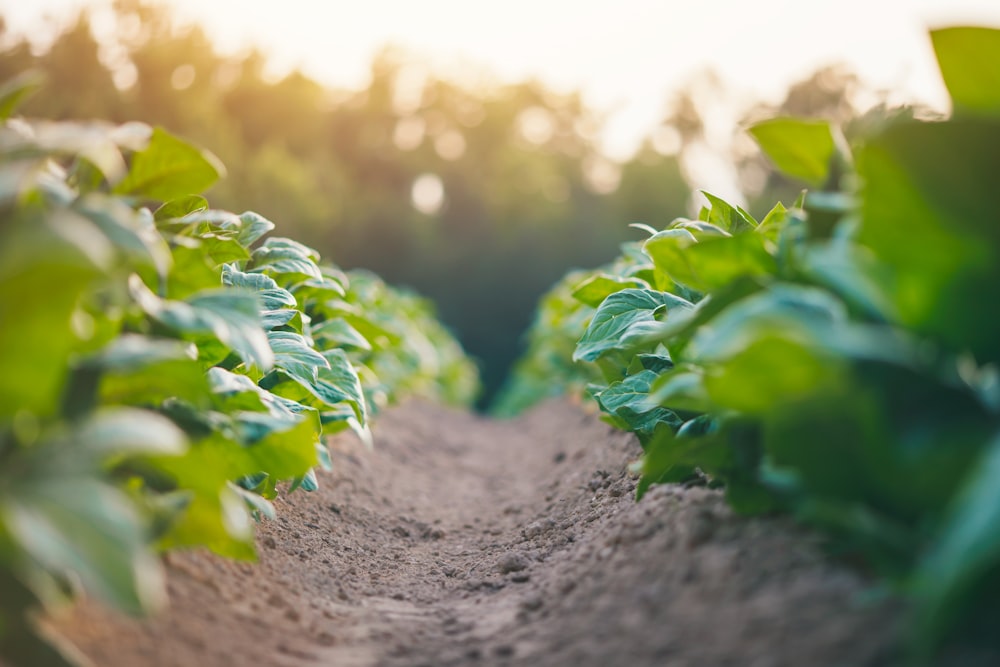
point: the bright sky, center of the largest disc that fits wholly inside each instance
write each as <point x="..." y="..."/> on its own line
<point x="626" y="55"/>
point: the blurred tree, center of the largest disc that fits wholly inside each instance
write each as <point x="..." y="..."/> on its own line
<point x="480" y="200"/>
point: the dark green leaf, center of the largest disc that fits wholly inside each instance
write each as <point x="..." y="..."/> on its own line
<point x="629" y="400"/>
<point x="965" y="552"/>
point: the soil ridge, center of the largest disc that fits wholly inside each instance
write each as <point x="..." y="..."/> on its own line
<point x="462" y="541"/>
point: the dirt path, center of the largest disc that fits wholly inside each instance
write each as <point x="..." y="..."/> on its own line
<point x="462" y="541"/>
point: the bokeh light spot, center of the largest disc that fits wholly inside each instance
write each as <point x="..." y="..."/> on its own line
<point x="536" y="125"/>
<point x="427" y="194"/>
<point x="450" y="145"/>
<point x="183" y="77"/>
<point x="409" y="133"/>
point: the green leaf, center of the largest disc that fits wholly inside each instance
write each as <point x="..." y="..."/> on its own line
<point x="969" y="58"/>
<point x="193" y="269"/>
<point x="676" y="332"/>
<point x="800" y="148"/>
<point x="285" y="317"/>
<point x="789" y="311"/>
<point x="294" y="355"/>
<point x="230" y="316"/>
<point x="272" y="297"/>
<point x="629" y="400"/>
<point x="929" y="215"/>
<point x="281" y="246"/>
<point x="337" y="332"/>
<point x="133" y="237"/>
<point x="307" y="482"/>
<point x="139" y="371"/>
<point x="965" y="552"/>
<point x="180" y="207"/>
<point x="14" y="91"/>
<point x="278" y="256"/>
<point x="680" y="389"/>
<point x="671" y="457"/>
<point x="254" y="227"/>
<point x="318" y="290"/>
<point x="731" y="218"/>
<point x="127" y="431"/>
<point x="257" y="503"/>
<point x="711" y="262"/>
<point x="77" y="526"/>
<point x="337" y="384"/>
<point x="852" y="271"/>
<point x="169" y="168"/>
<point x="217" y="516"/>
<point x="46" y="267"/>
<point x="624" y="318"/>
<point x="597" y="288"/>
<point x="238" y="395"/>
<point x="344" y="377"/>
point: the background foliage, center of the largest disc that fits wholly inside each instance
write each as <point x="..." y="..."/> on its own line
<point x="527" y="195"/>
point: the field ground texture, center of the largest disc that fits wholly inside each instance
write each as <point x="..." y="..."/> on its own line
<point x="464" y="541"/>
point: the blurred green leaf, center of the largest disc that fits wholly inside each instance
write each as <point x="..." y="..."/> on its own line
<point x="46" y="266"/>
<point x="14" y="91"/>
<point x="134" y="238"/>
<point x="965" y="552"/>
<point x="597" y="288"/>
<point x="800" y="148"/>
<point x="927" y="214"/>
<point x="169" y="168"/>
<point x="180" y="207"/>
<point x="77" y="525"/>
<point x="127" y="431"/>
<point x="969" y="58"/>
<point x="337" y="332"/>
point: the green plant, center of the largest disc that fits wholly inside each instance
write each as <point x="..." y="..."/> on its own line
<point x="838" y="358"/>
<point x="164" y="367"/>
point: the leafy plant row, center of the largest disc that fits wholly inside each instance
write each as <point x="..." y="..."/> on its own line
<point x="836" y="359"/>
<point x="163" y="367"/>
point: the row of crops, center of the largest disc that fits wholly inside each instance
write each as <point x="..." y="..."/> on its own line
<point x="836" y="359"/>
<point x="165" y="367"/>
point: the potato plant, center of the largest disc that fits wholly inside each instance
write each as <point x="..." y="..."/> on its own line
<point x="166" y="366"/>
<point x="836" y="359"/>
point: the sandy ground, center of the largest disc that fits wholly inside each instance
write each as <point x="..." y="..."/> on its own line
<point x="465" y="541"/>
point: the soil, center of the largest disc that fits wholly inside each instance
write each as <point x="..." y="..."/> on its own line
<point x="461" y="541"/>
